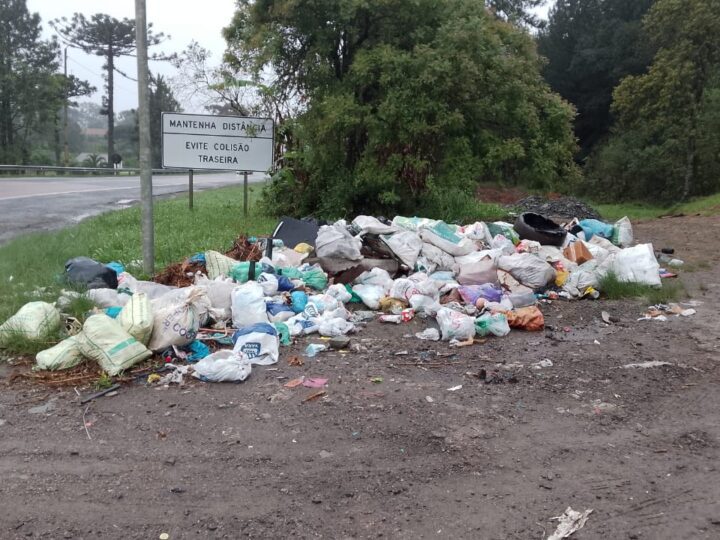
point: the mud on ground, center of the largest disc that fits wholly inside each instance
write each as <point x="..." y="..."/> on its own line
<point x="405" y="457"/>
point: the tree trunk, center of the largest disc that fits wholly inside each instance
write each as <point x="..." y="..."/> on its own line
<point x="691" y="162"/>
<point x="56" y="128"/>
<point x="110" y="108"/>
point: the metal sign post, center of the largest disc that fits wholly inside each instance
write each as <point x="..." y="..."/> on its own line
<point x="148" y="226"/>
<point x="190" y="188"/>
<point x="245" y="193"/>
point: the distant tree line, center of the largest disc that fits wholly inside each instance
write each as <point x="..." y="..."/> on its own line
<point x="645" y="79"/>
<point x="33" y="91"/>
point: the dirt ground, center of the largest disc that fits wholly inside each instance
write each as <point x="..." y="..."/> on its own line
<point x="405" y="457"/>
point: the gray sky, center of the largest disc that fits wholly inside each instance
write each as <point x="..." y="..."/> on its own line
<point x="181" y="19"/>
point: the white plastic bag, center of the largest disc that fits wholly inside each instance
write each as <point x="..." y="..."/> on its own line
<point x="218" y="290"/>
<point x="259" y="343"/>
<point x="503" y="244"/>
<point x="369" y="224"/>
<point x="623" y="234"/>
<point x="248" y="305"/>
<point x="176" y="324"/>
<point x="136" y="318"/>
<point x="335" y="327"/>
<point x="478" y="273"/>
<point x="222" y="366"/>
<point x="269" y="283"/>
<point x="105" y="298"/>
<point x="152" y="289"/>
<point x="336" y="241"/>
<point x="34" y="321"/>
<point x="339" y="292"/>
<point x="580" y="278"/>
<point x="370" y="294"/>
<point x="478" y="232"/>
<point x="406" y="245"/>
<point x="455" y="325"/>
<point x="104" y="341"/>
<point x="64" y="355"/>
<point x="413" y="223"/>
<point x="376" y="276"/>
<point x="638" y="265"/>
<point x="433" y="259"/>
<point x="530" y="270"/>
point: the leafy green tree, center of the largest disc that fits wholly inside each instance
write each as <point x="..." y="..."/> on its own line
<point x="162" y="100"/>
<point x="403" y="104"/>
<point x="590" y="46"/>
<point x="668" y="113"/>
<point x="29" y="89"/>
<point x="110" y="38"/>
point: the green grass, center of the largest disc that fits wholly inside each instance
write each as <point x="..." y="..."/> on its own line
<point x="31" y="266"/>
<point x="706" y="206"/>
<point x="610" y="287"/>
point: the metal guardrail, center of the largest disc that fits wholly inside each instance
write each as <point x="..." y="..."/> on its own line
<point x="106" y="170"/>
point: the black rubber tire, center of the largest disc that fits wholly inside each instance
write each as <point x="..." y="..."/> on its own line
<point x="530" y="226"/>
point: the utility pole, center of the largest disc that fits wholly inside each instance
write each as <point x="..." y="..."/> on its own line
<point x="65" y="115"/>
<point x="146" y="191"/>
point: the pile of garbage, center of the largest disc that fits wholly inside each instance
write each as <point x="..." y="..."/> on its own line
<point x="481" y="279"/>
<point x="561" y="207"/>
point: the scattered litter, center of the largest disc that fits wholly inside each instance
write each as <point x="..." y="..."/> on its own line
<point x="314" y="348"/>
<point x="314" y="382"/>
<point x="429" y="399"/>
<point x="315" y="395"/>
<point x="429" y="334"/>
<point x="101" y="393"/>
<point x="570" y="522"/>
<point x="376" y="380"/>
<point x="646" y="365"/>
<point x="544" y="363"/>
<point x="295" y="361"/>
<point x="455" y="388"/>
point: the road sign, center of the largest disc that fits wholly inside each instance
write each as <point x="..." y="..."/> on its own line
<point x="232" y="143"/>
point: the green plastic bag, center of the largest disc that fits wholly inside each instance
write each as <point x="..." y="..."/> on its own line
<point x="283" y="333"/>
<point x="290" y="272"/>
<point x="315" y="278"/>
<point x="496" y="325"/>
<point x="355" y="299"/>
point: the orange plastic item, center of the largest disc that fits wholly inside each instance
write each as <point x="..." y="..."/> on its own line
<point x="527" y="318"/>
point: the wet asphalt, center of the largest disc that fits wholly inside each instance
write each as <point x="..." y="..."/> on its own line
<point x="33" y="204"/>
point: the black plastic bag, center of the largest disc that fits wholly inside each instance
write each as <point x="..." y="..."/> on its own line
<point x="90" y="273"/>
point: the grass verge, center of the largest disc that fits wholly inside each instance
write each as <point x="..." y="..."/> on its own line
<point x="31" y="266"/>
<point x="705" y="206"/>
<point x="614" y="289"/>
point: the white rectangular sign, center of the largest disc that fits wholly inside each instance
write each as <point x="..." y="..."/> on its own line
<point x="233" y="143"/>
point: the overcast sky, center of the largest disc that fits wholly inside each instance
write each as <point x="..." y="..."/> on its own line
<point x="182" y="20"/>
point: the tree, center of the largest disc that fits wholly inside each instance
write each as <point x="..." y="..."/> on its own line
<point x="106" y="36"/>
<point x="28" y="86"/>
<point x="590" y="46"/>
<point x="666" y="113"/>
<point x="162" y="100"/>
<point x="404" y="105"/>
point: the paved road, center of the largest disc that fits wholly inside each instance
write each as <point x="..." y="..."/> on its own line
<point x="40" y="204"/>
